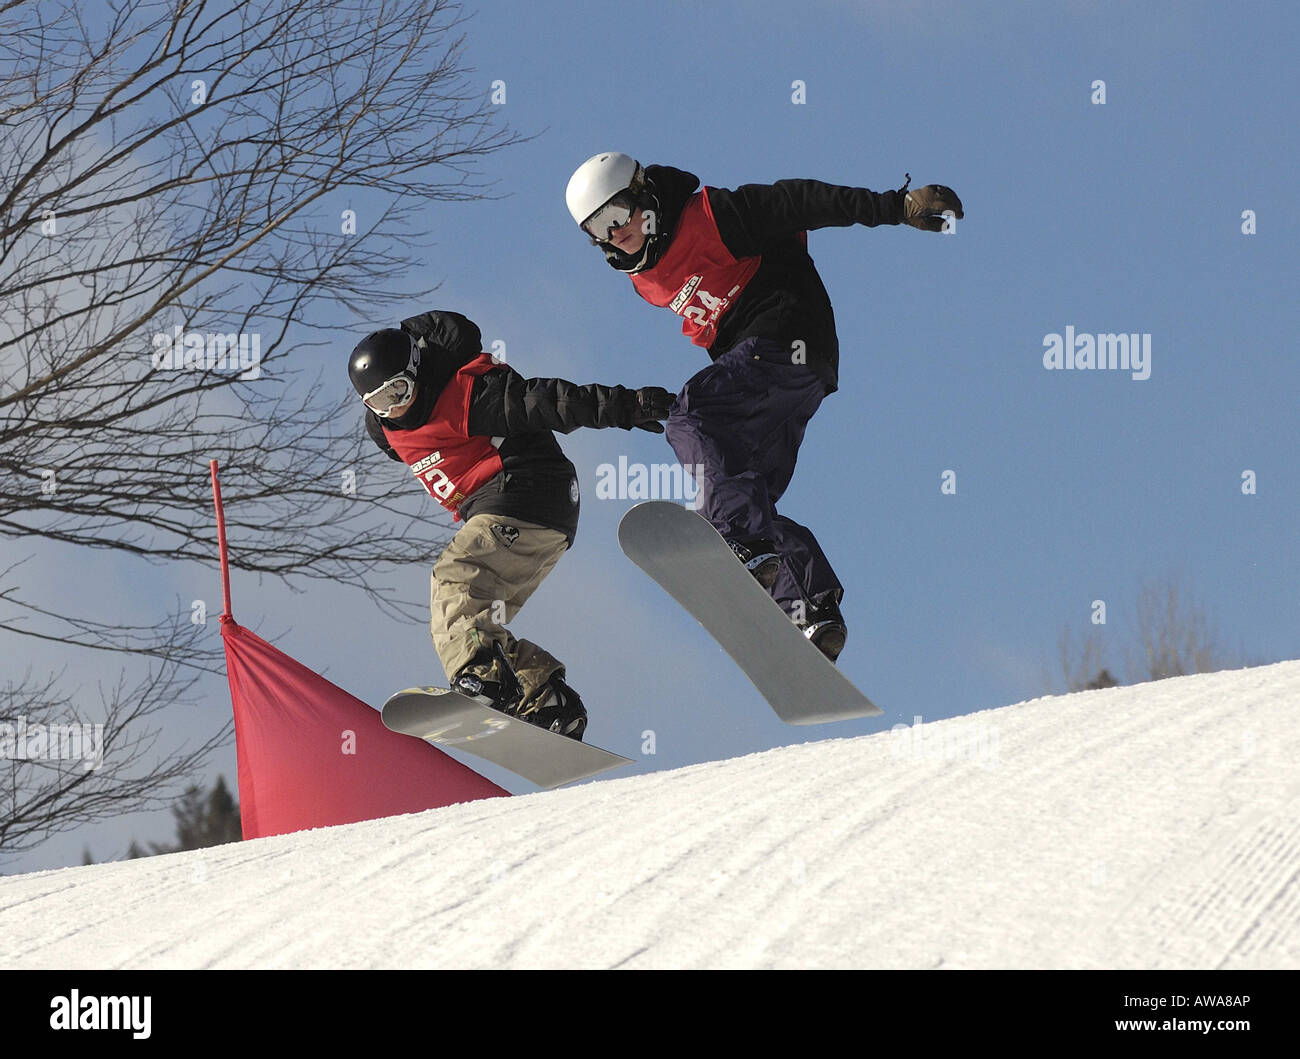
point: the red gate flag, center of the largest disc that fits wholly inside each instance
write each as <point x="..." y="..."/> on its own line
<point x="310" y="754"/>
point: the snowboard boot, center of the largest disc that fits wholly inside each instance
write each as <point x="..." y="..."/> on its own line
<point x="760" y="558"/>
<point x="557" y="708"/>
<point x="824" y="626"/>
<point x="501" y="690"/>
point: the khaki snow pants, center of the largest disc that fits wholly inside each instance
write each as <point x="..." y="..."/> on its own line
<point x="485" y="574"/>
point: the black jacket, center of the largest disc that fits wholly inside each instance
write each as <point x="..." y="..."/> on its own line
<point x="538" y="483"/>
<point x="785" y="300"/>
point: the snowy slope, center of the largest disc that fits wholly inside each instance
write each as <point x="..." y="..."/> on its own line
<point x="1150" y="826"/>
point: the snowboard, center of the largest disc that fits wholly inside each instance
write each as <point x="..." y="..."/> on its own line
<point x="449" y="719"/>
<point x="692" y="563"/>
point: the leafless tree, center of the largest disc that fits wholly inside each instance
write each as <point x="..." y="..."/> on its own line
<point x="192" y="195"/>
<point x="1082" y="665"/>
<point x="1172" y="636"/>
<point x="62" y="767"/>
<point x="1175" y="636"/>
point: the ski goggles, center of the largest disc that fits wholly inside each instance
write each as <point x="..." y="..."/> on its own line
<point x="392" y="394"/>
<point x="612" y="216"/>
<point x="396" y="391"/>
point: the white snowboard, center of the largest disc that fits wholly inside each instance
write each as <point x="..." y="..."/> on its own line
<point x="450" y="719"/>
<point x="693" y="564"/>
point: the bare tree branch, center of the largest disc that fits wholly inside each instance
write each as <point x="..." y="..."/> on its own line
<point x="1172" y="636"/>
<point x="161" y="245"/>
<point x="62" y="767"/>
<point x="194" y="198"/>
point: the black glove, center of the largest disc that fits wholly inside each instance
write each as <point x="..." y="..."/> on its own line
<point x="924" y="208"/>
<point x="650" y="404"/>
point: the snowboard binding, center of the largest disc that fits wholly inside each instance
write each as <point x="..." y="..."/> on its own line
<point x="824" y="627"/>
<point x="502" y="691"/>
<point x="557" y="708"/>
<point x="554" y="706"/>
<point x="760" y="558"/>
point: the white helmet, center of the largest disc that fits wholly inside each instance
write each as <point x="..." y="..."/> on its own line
<point x="598" y="180"/>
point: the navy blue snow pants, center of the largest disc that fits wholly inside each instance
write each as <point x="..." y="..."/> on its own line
<point x="737" y="426"/>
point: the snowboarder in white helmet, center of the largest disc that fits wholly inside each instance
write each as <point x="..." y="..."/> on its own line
<point x="734" y="265"/>
<point x="605" y="194"/>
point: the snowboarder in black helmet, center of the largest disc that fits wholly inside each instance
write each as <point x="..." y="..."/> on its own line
<point x="734" y="266"/>
<point x="480" y="437"/>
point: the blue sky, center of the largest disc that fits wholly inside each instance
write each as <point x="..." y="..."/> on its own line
<point x="1072" y="486"/>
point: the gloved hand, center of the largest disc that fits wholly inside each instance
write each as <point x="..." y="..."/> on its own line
<point x="650" y="405"/>
<point x="924" y="207"/>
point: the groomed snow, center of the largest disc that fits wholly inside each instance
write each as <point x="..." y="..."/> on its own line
<point x="1148" y="826"/>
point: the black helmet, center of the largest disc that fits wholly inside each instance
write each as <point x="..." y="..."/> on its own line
<point x="383" y="369"/>
<point x="380" y="356"/>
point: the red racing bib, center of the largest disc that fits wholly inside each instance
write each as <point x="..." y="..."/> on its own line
<point x="697" y="278"/>
<point x="442" y="454"/>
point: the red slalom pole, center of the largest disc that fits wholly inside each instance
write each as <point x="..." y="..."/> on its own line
<point x="221" y="543"/>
